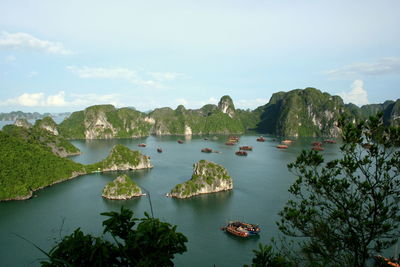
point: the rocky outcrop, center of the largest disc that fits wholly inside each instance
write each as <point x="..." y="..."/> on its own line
<point x="121" y="158"/>
<point x="208" y="177"/>
<point x="226" y="106"/>
<point x="307" y="112"/>
<point x="47" y="124"/>
<point x="22" y="123"/>
<point x="106" y="122"/>
<point x="391" y="114"/>
<point x="122" y="188"/>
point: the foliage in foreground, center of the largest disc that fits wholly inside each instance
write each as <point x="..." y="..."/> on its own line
<point x="347" y="210"/>
<point x="152" y="243"/>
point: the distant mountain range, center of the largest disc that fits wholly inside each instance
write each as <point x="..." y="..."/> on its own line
<point x="14" y="115"/>
<point x="300" y="112"/>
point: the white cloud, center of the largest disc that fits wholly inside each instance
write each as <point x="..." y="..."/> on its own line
<point x="59" y="100"/>
<point x="116" y="74"/>
<point x="384" y="66"/>
<point x="27" y="41"/>
<point x="251" y="103"/>
<point x="10" y="58"/>
<point x="103" y="73"/>
<point x="357" y="95"/>
<point x="33" y="74"/>
<point x="166" y="76"/>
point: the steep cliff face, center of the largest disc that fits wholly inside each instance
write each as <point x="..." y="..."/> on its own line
<point x="209" y="119"/>
<point x="208" y="177"/>
<point x="22" y="123"/>
<point x="226" y="106"/>
<point x="391" y="114"/>
<point x="121" y="158"/>
<point x="105" y="122"/>
<point x="307" y="112"/>
<point x="48" y="124"/>
<point x="122" y="188"/>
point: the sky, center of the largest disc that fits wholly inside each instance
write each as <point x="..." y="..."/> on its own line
<point x="63" y="56"/>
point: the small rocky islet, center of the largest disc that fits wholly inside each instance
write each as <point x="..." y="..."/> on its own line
<point x="207" y="177"/>
<point x="122" y="188"/>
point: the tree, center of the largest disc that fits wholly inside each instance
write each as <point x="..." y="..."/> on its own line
<point x="152" y="243"/>
<point x="347" y="210"/>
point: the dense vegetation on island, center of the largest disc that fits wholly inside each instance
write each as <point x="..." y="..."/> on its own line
<point x="42" y="137"/>
<point x="28" y="166"/>
<point x="208" y="177"/>
<point x="29" y="162"/>
<point x="123" y="187"/>
<point x="121" y="158"/>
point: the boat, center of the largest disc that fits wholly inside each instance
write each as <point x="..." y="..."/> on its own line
<point x="242" y="229"/>
<point x="180" y="141"/>
<point x="282" y="146"/>
<point x="234" y="138"/>
<point x="316" y="143"/>
<point x="287" y="142"/>
<point x="329" y="141"/>
<point x="230" y="143"/>
<point x="206" y="150"/>
<point x="260" y="139"/>
<point x="246" y="148"/>
<point x="142" y="145"/>
<point x="317" y="148"/>
<point x="241" y="153"/>
<point x="159" y="150"/>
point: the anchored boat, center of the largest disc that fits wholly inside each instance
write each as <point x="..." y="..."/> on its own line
<point x="241" y="229"/>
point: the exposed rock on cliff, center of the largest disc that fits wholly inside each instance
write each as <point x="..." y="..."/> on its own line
<point x="121" y="158"/>
<point x="122" y="188"/>
<point x="391" y="114"/>
<point x="48" y="124"/>
<point x="226" y="106"/>
<point x="106" y="122"/>
<point x="22" y="123"/>
<point x="208" y="177"/>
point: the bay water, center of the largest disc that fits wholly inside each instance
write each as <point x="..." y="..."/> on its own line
<point x="261" y="181"/>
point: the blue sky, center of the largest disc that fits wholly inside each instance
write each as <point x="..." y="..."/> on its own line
<point x="66" y="55"/>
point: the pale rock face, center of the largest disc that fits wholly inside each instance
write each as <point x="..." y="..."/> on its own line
<point x="188" y="130"/>
<point x="150" y="120"/>
<point x="202" y="171"/>
<point x="22" y="123"/>
<point x="226" y="106"/>
<point x="48" y="128"/>
<point x="143" y="164"/>
<point x="95" y="130"/>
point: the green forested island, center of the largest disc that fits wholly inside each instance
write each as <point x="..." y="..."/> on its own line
<point x="28" y="162"/>
<point x="300" y="112"/>
<point x="207" y="177"/>
<point x="123" y="187"/>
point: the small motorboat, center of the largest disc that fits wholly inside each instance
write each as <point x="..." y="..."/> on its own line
<point x="282" y="146"/>
<point x="206" y="150"/>
<point x="287" y="142"/>
<point x="249" y="148"/>
<point x="142" y="145"/>
<point x="159" y="150"/>
<point x="316" y="143"/>
<point x="317" y="148"/>
<point x="180" y="141"/>
<point x="260" y="139"/>
<point x="329" y="141"/>
<point x="241" y="153"/>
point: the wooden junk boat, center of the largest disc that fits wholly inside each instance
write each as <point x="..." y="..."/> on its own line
<point x="241" y="153"/>
<point x="142" y="145"/>
<point x="230" y="143"/>
<point x="316" y="143"/>
<point x="246" y="148"/>
<point x="287" y="142"/>
<point x="159" y="150"/>
<point x="242" y="229"/>
<point x="329" y="141"/>
<point x="261" y="139"/>
<point x="206" y="150"/>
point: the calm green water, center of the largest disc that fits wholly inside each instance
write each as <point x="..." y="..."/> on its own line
<point x="261" y="181"/>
